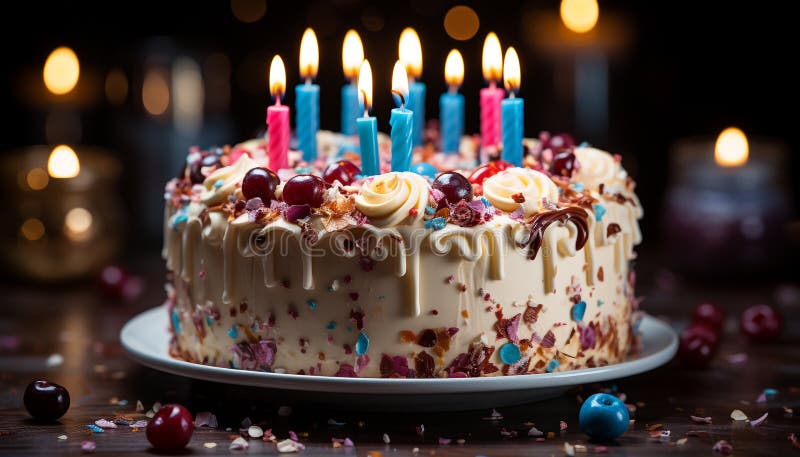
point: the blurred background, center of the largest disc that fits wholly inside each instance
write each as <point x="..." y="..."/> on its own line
<point x="128" y="87"/>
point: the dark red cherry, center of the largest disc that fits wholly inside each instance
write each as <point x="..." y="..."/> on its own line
<point x="761" y="323"/>
<point x="454" y="186"/>
<point x="709" y="314"/>
<point x="171" y="428"/>
<point x="563" y="163"/>
<point x="304" y="190"/>
<point x="260" y="182"/>
<point x="343" y="171"/>
<point x="112" y="280"/>
<point x="480" y="174"/>
<point x="46" y="401"/>
<point x="698" y="346"/>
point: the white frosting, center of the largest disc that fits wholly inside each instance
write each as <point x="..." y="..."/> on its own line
<point x="225" y="181"/>
<point x="598" y="167"/>
<point x="532" y="185"/>
<point x="388" y="199"/>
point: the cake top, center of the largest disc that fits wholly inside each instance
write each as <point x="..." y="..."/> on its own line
<point x="330" y="194"/>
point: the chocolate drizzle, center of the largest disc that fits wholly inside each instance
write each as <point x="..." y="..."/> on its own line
<point x="541" y="221"/>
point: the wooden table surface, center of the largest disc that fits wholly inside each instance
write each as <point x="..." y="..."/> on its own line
<point x="80" y="325"/>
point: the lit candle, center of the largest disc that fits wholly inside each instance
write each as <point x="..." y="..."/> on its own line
<point x="513" y="110"/>
<point x="352" y="56"/>
<point x="278" y="117"/>
<point x="411" y="55"/>
<point x="491" y="96"/>
<point x="307" y="97"/>
<point x="401" y="120"/>
<point x="451" y="104"/>
<point x="367" y="126"/>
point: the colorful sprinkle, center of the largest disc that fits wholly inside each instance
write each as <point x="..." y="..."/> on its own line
<point x="599" y="212"/>
<point x="94" y="428"/>
<point x="430" y="210"/>
<point x="362" y="345"/>
<point x="578" y="186"/>
<point x="209" y="321"/>
<point x="437" y="223"/>
<point x="176" y="322"/>
<point x="600" y="303"/>
<point x="218" y="183"/>
<point x="578" y="310"/>
<point x="331" y="325"/>
<point x="312" y="304"/>
<point x="510" y="354"/>
<point x="178" y="220"/>
<point x="552" y="365"/>
<point x="233" y="332"/>
<point x="485" y="202"/>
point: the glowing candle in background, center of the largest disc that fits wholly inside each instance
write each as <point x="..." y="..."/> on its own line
<point x="491" y="96"/>
<point x="278" y="117"/>
<point x="367" y="126"/>
<point x="401" y="120"/>
<point x="352" y="56"/>
<point x="451" y="104"/>
<point x="411" y="55"/>
<point x="307" y="97"/>
<point x="513" y="109"/>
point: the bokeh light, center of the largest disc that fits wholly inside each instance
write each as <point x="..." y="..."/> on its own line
<point x="63" y="162"/>
<point x="155" y="92"/>
<point x="37" y="179"/>
<point x="461" y="23"/>
<point x="61" y="70"/>
<point x="32" y="229"/>
<point x="78" y="224"/>
<point x="732" y="148"/>
<point x="248" y="11"/>
<point x="580" y="16"/>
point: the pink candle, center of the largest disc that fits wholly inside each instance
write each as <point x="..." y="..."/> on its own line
<point x="491" y="131"/>
<point x="278" y="118"/>
<point x="492" y="96"/>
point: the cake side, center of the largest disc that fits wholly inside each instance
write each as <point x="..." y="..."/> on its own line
<point x="532" y="275"/>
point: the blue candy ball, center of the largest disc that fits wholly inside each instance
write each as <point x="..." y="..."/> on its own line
<point x="425" y="169"/>
<point x="604" y="417"/>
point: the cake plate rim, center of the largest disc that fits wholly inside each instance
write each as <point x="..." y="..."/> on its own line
<point x="145" y="339"/>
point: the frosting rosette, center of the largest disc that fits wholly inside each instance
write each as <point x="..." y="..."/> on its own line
<point x="225" y="181"/>
<point x="520" y="187"/>
<point x="393" y="198"/>
<point x="597" y="167"/>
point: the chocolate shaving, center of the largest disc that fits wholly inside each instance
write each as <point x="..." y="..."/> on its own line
<point x="612" y="229"/>
<point x="541" y="221"/>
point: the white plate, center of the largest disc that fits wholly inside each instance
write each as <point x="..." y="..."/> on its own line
<point x="146" y="340"/>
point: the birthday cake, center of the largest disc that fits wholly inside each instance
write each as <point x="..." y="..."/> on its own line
<point x="469" y="271"/>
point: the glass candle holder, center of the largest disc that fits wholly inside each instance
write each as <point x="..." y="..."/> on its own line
<point x="723" y="221"/>
<point x="57" y="229"/>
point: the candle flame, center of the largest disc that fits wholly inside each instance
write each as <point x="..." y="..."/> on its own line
<point x="365" y="86"/>
<point x="411" y="52"/>
<point x="277" y="78"/>
<point x="454" y="69"/>
<point x="61" y="71"/>
<point x="309" y="55"/>
<point x="511" y="71"/>
<point x="352" y="54"/>
<point x="63" y="162"/>
<point x="400" y="82"/>
<point x="732" y="148"/>
<point x="492" y="58"/>
<point x="580" y="16"/>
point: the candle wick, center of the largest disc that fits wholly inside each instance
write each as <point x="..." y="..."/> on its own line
<point x="308" y="80"/>
<point x="492" y="84"/>
<point x="512" y="94"/>
<point x="402" y="98"/>
<point x="366" y="109"/>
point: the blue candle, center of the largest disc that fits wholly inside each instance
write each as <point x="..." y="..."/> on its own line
<point x="512" y="110"/>
<point x="410" y="52"/>
<point x="349" y="108"/>
<point x="352" y="56"/>
<point x="307" y="121"/>
<point x="416" y="104"/>
<point x="367" y="126"/>
<point x="451" y="104"/>
<point x="307" y="97"/>
<point x="401" y="121"/>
